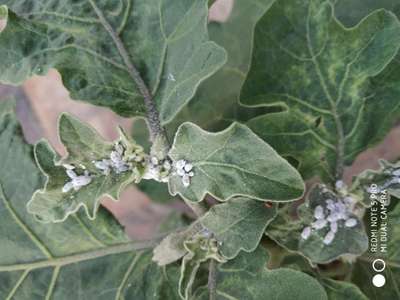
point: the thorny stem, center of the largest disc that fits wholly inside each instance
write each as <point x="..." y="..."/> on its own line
<point x="212" y="279"/>
<point x="156" y="128"/>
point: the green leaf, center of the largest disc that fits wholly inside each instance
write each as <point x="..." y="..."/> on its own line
<point x="221" y="90"/>
<point x="288" y="232"/>
<point x="233" y="162"/>
<point x="246" y="277"/>
<point x="352" y="11"/>
<point x="200" y="248"/>
<point x="342" y="290"/>
<point x="387" y="226"/>
<point x="238" y="224"/>
<point x="85" y="147"/>
<point x="172" y="247"/>
<point x="330" y="79"/>
<point x="77" y="259"/>
<point x="167" y="42"/>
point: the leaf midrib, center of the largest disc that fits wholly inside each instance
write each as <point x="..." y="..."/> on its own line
<point x="79" y="257"/>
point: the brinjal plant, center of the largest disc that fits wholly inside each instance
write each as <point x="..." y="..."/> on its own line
<point x="253" y="123"/>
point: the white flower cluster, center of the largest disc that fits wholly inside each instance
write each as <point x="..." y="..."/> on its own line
<point x="157" y="169"/>
<point x="185" y="170"/>
<point x="77" y="181"/>
<point x="336" y="214"/>
<point x="118" y="161"/>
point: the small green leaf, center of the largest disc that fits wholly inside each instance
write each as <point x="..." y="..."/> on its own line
<point x="246" y="277"/>
<point x="348" y="239"/>
<point x="238" y="224"/>
<point x="342" y="290"/>
<point x="166" y="41"/>
<point x="233" y="162"/>
<point x="200" y="248"/>
<point x="332" y="82"/>
<point x="63" y="194"/>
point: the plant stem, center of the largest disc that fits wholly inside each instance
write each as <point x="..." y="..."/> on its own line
<point x="212" y="279"/>
<point x="156" y="128"/>
<point x="197" y="207"/>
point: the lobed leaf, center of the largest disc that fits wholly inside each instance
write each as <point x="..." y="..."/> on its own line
<point x="331" y="81"/>
<point x="85" y="147"/>
<point x="167" y="42"/>
<point x="77" y="259"/>
<point x="232" y="162"/>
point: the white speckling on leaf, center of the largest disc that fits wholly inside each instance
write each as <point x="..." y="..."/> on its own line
<point x="67" y="187"/>
<point x="71" y="174"/>
<point x="188" y="167"/>
<point x="69" y="166"/>
<point x="350" y="222"/>
<point x="329" y="238"/>
<point x="319" y="212"/>
<point x="334" y="227"/>
<point x="305" y="234"/>
<point x="319" y="224"/>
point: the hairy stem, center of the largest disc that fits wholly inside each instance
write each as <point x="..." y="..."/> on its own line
<point x="156" y="129"/>
<point x="198" y="208"/>
<point x="212" y="279"/>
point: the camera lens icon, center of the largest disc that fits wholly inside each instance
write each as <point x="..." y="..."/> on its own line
<point x="379" y="266"/>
